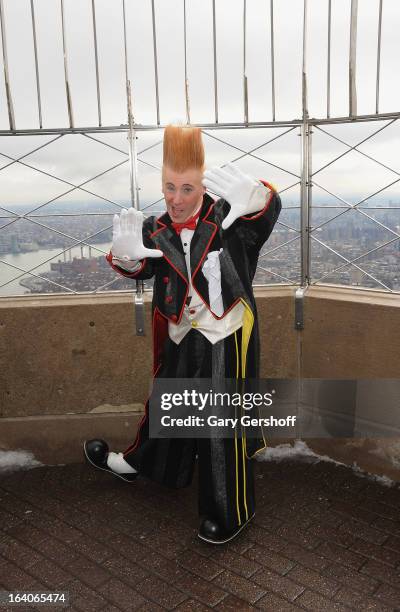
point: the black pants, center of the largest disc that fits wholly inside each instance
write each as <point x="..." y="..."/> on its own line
<point x="226" y="482"/>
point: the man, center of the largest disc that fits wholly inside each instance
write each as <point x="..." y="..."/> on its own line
<point x="203" y="256"/>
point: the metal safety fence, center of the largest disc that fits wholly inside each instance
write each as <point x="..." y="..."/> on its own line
<point x="326" y="238"/>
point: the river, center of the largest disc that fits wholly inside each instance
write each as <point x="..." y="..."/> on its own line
<point x="27" y="261"/>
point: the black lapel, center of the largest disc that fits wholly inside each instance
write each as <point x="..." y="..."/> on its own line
<point x="168" y="241"/>
<point x="204" y="233"/>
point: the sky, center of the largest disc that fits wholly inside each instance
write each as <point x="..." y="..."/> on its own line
<point x="78" y="158"/>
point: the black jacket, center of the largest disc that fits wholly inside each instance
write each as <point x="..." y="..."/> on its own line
<point x="241" y="244"/>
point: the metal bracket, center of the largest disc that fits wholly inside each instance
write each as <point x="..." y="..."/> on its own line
<point x="139" y="309"/>
<point x="299" y="308"/>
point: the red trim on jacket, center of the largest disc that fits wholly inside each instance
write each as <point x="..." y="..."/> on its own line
<point x="123" y="272"/>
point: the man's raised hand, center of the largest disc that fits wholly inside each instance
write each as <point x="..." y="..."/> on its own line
<point x="127" y="237"/>
<point x="245" y="194"/>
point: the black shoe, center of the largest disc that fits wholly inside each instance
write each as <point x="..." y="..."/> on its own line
<point x="212" y="533"/>
<point x="96" y="452"/>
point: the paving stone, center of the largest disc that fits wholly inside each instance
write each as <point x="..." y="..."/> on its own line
<point x="305" y="557"/>
<point x="207" y="592"/>
<point x="323" y="532"/>
<point x="89" y="572"/>
<point x="304" y="537"/>
<point x="315" y="601"/>
<point x="356" y="601"/>
<point x="120" y="594"/>
<point x="278" y="584"/>
<point x="232" y="603"/>
<point x="202" y="566"/>
<point x="265" y="557"/>
<point x="374" y="551"/>
<point x="388" y="595"/>
<point x="52" y="575"/>
<point x="313" y="580"/>
<point x="340" y="555"/>
<point x="350" y="578"/>
<point x="84" y="598"/>
<point x="365" y="532"/>
<point x="273" y="602"/>
<point x="240" y="587"/>
<point x="191" y="605"/>
<point x="240" y="564"/>
<point x="387" y="526"/>
<point x="382" y="572"/>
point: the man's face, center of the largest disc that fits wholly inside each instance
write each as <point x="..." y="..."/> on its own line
<point x="183" y="192"/>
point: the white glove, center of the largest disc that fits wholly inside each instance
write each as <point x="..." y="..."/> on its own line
<point x="127" y="242"/>
<point x="244" y="194"/>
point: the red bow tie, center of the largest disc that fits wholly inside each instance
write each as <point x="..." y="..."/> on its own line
<point x="188" y="224"/>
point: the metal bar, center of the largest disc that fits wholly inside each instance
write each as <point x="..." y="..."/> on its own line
<point x="352" y="148"/>
<point x="245" y="89"/>
<point x="378" y="58"/>
<point x="283" y="243"/>
<point x="275" y="274"/>
<point x="114" y="148"/>
<point x="271" y="12"/>
<point x="250" y="154"/>
<point x="358" y="207"/>
<point x="251" y="150"/>
<point x="69" y="183"/>
<point x="10" y="108"/>
<point x="304" y="96"/>
<point x="353" y="59"/>
<point x="299" y="308"/>
<point x="304" y="212"/>
<point x="155" y="61"/>
<point x="132" y="152"/>
<point x="328" y="72"/>
<point x="205" y="126"/>
<point x="96" y="60"/>
<point x="187" y="103"/>
<point x="66" y="79"/>
<point x="215" y="63"/>
<point x="29" y="153"/>
<point x="28" y="216"/>
<point x="36" y="65"/>
<point x="125" y="45"/>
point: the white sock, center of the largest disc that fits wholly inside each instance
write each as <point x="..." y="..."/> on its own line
<point x="117" y="463"/>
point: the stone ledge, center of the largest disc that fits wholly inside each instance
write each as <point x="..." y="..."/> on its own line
<point x="58" y="439"/>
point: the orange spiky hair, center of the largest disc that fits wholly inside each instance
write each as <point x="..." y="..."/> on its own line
<point x="183" y="148"/>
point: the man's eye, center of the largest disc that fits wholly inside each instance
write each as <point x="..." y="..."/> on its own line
<point x="170" y="188"/>
<point x="187" y="189"/>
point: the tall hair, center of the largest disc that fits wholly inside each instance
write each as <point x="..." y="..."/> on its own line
<point x="183" y="148"/>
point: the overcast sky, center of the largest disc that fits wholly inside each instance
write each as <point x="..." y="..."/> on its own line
<point x="76" y="158"/>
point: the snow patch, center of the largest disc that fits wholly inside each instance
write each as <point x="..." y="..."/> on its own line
<point x="302" y="452"/>
<point x="11" y="461"/>
<point x="299" y="450"/>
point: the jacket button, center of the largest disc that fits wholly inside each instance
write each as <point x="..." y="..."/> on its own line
<point x="194" y="324"/>
<point x="168" y="299"/>
<point x="165" y="279"/>
<point x="173" y="318"/>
